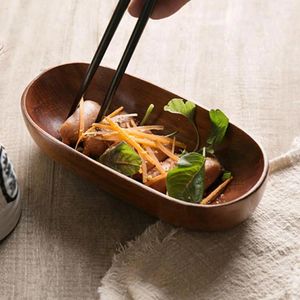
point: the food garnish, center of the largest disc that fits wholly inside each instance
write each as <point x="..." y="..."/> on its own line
<point x="219" y="123"/>
<point x="186" y="109"/>
<point x="186" y="180"/>
<point x="147" y="114"/>
<point x="121" y="158"/>
<point x="160" y="161"/>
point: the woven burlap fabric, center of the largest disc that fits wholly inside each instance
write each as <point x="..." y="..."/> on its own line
<point x="260" y="259"/>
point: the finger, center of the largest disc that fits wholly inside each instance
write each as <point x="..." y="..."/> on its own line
<point x="163" y="8"/>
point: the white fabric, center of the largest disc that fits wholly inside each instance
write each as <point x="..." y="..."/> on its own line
<point x="260" y="259"/>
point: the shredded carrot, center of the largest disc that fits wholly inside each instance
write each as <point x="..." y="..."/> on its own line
<point x="216" y="192"/>
<point x="156" y="178"/>
<point x="134" y="136"/>
<point x="131" y="141"/>
<point x="150" y="127"/>
<point x="112" y="134"/>
<point x="111" y="139"/>
<point x="152" y="154"/>
<point x="144" y="171"/>
<point x="92" y="133"/>
<point x="111" y="115"/>
<point x="115" y="112"/>
<point x="102" y="134"/>
<point x="144" y="142"/>
<point x="167" y="151"/>
<point x="102" y="126"/>
<point x="121" y="118"/>
<point x="77" y="143"/>
<point x="84" y="135"/>
<point x="154" y="137"/>
<point x="173" y="145"/>
<point x="124" y="136"/>
<point x="90" y="129"/>
<point x="81" y="118"/>
<point x="109" y="134"/>
<point x="133" y="124"/>
<point x="81" y="122"/>
<point x="140" y="128"/>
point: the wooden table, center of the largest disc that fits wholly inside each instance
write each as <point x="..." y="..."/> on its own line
<point x="239" y="56"/>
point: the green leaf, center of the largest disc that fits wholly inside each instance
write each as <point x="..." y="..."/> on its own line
<point x="219" y="127"/>
<point x="226" y="175"/>
<point x="147" y="114"/>
<point x="186" y="180"/>
<point x="178" y="106"/>
<point x="183" y="152"/>
<point x="121" y="158"/>
<point x="187" y="109"/>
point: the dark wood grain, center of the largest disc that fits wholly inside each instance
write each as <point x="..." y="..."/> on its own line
<point x="47" y="101"/>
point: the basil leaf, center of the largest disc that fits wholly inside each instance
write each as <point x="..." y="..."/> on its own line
<point x="121" y="158"/>
<point x="187" y="109"/>
<point x="186" y="180"/>
<point x="226" y="175"/>
<point x="219" y="127"/>
<point x="178" y="106"/>
<point x="147" y="114"/>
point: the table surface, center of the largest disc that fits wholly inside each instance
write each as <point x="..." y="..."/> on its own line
<point x="239" y="56"/>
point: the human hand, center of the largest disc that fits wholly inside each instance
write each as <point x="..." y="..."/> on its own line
<point x="163" y="8"/>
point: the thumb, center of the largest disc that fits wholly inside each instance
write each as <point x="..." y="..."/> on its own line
<point x="163" y="8"/>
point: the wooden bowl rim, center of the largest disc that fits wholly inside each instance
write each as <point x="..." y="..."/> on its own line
<point x="181" y="202"/>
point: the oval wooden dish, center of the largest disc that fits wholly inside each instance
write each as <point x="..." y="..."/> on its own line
<point x="45" y="106"/>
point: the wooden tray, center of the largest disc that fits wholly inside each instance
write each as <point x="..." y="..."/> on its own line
<point x="45" y="105"/>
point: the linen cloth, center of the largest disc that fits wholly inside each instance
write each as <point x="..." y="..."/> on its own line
<point x="259" y="259"/>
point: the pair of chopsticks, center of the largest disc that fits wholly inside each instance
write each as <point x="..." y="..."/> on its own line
<point x="104" y="43"/>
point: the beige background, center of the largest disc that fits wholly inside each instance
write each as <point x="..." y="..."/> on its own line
<point x="240" y="56"/>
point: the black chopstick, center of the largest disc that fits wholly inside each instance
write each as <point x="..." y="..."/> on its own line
<point x="105" y="41"/>
<point x="135" y="36"/>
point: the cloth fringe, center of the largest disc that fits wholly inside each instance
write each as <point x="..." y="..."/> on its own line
<point x="260" y="259"/>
